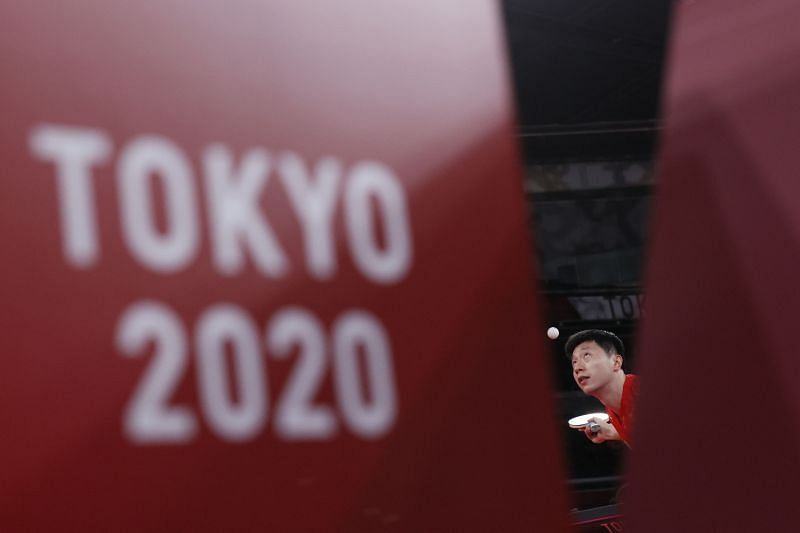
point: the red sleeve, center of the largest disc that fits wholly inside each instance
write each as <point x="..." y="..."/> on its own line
<point x="623" y="422"/>
<point x="630" y="393"/>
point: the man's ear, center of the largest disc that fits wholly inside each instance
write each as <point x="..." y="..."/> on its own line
<point x="617" y="361"/>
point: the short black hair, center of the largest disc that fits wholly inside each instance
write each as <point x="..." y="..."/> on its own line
<point x="605" y="339"/>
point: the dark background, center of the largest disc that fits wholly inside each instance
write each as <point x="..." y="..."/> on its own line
<point x="587" y="76"/>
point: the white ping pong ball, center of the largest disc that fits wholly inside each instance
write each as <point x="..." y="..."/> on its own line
<point x="552" y="333"/>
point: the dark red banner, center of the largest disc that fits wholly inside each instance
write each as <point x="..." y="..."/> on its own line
<point x="266" y="268"/>
<point x="718" y="435"/>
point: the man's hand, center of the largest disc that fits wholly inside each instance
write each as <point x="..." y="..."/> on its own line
<point x="607" y="431"/>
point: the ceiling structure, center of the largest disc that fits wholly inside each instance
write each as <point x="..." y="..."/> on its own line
<point x="587" y="76"/>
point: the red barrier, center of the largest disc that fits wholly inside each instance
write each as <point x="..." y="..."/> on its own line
<point x="266" y="268"/>
<point x="718" y="424"/>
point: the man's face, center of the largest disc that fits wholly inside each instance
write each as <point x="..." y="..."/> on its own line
<point x="592" y="367"/>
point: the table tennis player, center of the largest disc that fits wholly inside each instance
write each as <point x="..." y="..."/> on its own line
<point x="597" y="358"/>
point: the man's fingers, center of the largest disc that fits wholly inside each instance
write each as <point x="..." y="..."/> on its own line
<point x="594" y="437"/>
<point x="594" y="430"/>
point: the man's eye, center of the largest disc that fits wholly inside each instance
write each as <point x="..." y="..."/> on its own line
<point x="587" y="356"/>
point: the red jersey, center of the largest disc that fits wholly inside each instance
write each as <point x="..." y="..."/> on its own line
<point x="623" y="421"/>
